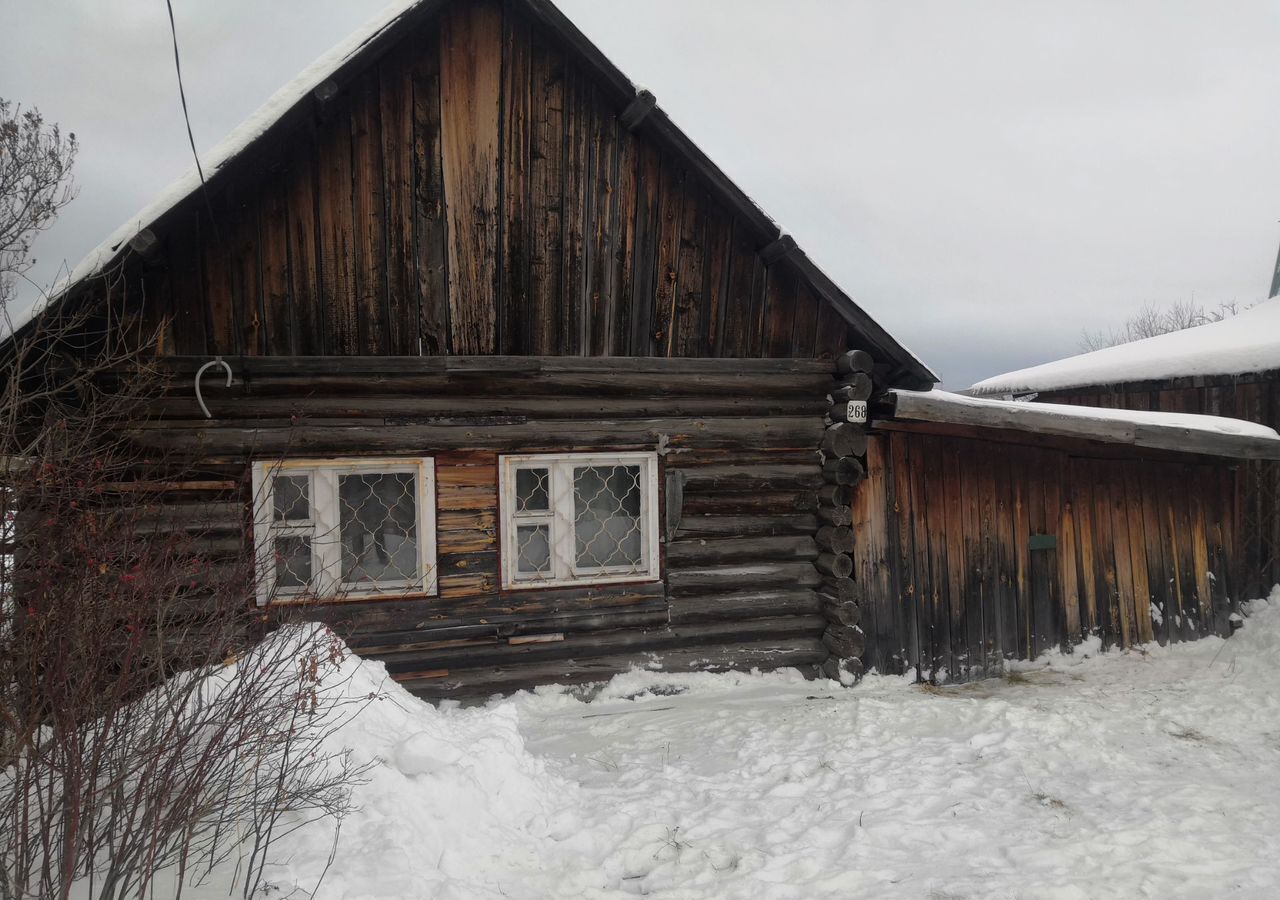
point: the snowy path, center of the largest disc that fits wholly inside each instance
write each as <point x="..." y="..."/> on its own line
<point x="1129" y="775"/>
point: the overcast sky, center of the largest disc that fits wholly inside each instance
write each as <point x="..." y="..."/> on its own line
<point x="985" y="178"/>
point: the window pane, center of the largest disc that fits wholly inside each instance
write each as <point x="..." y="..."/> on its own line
<point x="533" y="550"/>
<point x="378" y="516"/>
<point x="532" y="490"/>
<point x="293" y="562"/>
<point x="291" y="497"/>
<point x="607" y="527"/>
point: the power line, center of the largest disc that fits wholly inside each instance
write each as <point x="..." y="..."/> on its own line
<point x="177" y="64"/>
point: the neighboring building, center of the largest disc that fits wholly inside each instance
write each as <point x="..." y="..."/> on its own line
<point x="1228" y="368"/>
<point x="525" y="389"/>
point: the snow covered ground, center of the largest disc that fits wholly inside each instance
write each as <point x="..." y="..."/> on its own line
<point x="1142" y="774"/>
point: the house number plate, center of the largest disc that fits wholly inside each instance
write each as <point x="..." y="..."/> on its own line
<point x="857" y="411"/>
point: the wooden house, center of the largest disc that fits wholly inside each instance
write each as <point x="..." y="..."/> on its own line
<point x="523" y="388"/>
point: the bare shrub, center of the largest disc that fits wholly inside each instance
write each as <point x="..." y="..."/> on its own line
<point x="148" y="733"/>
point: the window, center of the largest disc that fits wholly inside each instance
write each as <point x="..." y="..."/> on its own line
<point x="344" y="529"/>
<point x="579" y="518"/>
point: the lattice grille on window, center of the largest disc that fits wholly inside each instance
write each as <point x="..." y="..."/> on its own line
<point x="377" y="514"/>
<point x="607" y="527"/>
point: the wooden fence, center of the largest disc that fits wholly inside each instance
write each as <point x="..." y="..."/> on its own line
<point x="973" y="550"/>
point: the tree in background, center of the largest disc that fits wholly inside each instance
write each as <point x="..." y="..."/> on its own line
<point x="35" y="184"/>
<point x="144" y="739"/>
<point x="1152" y="320"/>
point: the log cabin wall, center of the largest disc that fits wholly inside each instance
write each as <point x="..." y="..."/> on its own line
<point x="740" y="479"/>
<point x="974" y="550"/>
<point x="1255" y="398"/>
<point x="472" y="191"/>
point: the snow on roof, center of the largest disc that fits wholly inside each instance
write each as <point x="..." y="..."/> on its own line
<point x="1186" y="432"/>
<point x="1248" y="342"/>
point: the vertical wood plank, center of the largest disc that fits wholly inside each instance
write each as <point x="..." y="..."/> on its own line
<point x="602" y="233"/>
<point x="832" y="336"/>
<point x="1086" y="564"/>
<point x="670" y="219"/>
<point x="337" y="232"/>
<point x="301" y="187"/>
<point x="739" y="320"/>
<point x="901" y="617"/>
<point x="1138" y="552"/>
<point x="187" y="287"/>
<point x="573" y="305"/>
<point x="368" y="203"/>
<point x="470" y="92"/>
<point x="1124" y="561"/>
<point x="780" y="306"/>
<point x="804" y="327"/>
<point x="623" y="276"/>
<point x="716" y="286"/>
<point x="395" y="118"/>
<point x="963" y="650"/>
<point x="644" y="292"/>
<point x="685" y="338"/>
<point x="1200" y="550"/>
<point x="546" y="198"/>
<point x="278" y="322"/>
<point x="515" y="325"/>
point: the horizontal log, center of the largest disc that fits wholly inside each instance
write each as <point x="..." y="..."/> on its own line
<point x="752" y="478"/>
<point x="835" y="538"/>
<point x="856" y="386"/>
<point x="843" y="640"/>
<point x="607" y="642"/>
<point x="483" y="681"/>
<point x="744" y="605"/>
<point x="845" y="470"/>
<point x="738" y="577"/>
<point x="428" y="409"/>
<point x="746" y="504"/>
<point x="836" y="565"/>
<point x="614" y="366"/>
<point x="835" y="515"/>
<point x="854" y="361"/>
<point x="802" y="387"/>
<point x="704" y="552"/>
<point x="841" y="612"/>
<point x="841" y="590"/>
<point x="844" y="439"/>
<point x="363" y="621"/>
<point x="692" y="526"/>
<point x="383" y="643"/>
<point x="552" y="435"/>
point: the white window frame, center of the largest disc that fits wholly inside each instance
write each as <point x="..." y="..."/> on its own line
<point x="560" y="518"/>
<point x="325" y="532"/>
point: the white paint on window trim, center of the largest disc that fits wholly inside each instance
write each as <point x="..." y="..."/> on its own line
<point x="326" y="555"/>
<point x="561" y="519"/>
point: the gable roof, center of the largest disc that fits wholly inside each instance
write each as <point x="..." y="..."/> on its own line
<point x="1248" y="342"/>
<point x="340" y="65"/>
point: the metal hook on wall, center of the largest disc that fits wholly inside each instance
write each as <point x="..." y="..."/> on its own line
<point x="216" y="361"/>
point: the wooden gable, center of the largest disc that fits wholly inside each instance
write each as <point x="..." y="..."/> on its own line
<point x="476" y="186"/>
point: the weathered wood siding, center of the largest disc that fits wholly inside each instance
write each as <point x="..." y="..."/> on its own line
<point x="974" y="551"/>
<point x="472" y="191"/>
<point x="739" y="465"/>
<point x="1254" y="397"/>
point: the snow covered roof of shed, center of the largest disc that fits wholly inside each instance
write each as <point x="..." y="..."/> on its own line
<point x="1248" y="342"/>
<point x="1183" y="432"/>
<point x="338" y="66"/>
